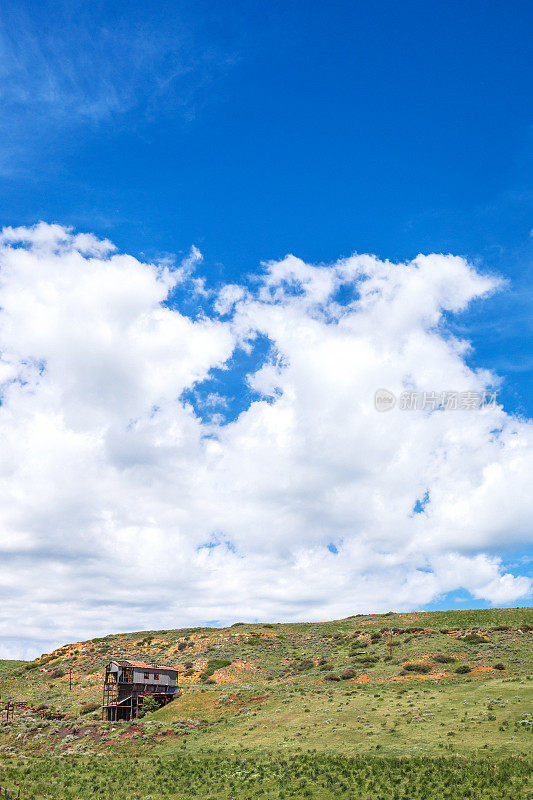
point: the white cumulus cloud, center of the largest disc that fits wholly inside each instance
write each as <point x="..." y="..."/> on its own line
<point x="121" y="507"/>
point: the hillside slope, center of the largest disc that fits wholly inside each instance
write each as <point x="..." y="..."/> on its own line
<point x="411" y="685"/>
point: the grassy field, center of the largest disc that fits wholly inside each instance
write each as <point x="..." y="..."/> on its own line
<point x="434" y="705"/>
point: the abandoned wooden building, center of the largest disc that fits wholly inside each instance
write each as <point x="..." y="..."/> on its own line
<point x="127" y="683"/>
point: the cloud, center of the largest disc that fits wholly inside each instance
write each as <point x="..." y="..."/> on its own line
<point x="123" y="507"/>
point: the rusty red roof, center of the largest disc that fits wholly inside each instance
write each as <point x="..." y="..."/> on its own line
<point x="143" y="665"/>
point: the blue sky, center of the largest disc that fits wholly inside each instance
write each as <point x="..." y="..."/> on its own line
<point x="252" y="130"/>
<point x="255" y="129"/>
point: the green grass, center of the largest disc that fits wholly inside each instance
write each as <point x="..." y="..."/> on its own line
<point x="250" y="775"/>
<point x="7" y="666"/>
<point x="272" y="726"/>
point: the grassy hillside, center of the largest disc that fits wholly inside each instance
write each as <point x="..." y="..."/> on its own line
<point x="366" y="703"/>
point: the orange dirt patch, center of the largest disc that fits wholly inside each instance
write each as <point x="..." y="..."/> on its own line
<point x="416" y="677"/>
<point x="236" y="671"/>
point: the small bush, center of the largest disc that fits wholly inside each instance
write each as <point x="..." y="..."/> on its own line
<point x="332" y="677"/>
<point x="213" y="665"/>
<point x="420" y="668"/>
<point x="499" y="665"/>
<point x="305" y="664"/>
<point x="182" y="645"/>
<point x="348" y="674"/>
<point x="149" y="704"/>
<point x="463" y="669"/>
<point x="88" y="707"/>
<point x="473" y="638"/>
<point x="443" y="659"/>
<point x="57" y="673"/>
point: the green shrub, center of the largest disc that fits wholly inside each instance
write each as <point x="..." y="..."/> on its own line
<point x="57" y="673"/>
<point x="213" y="665"/>
<point x="367" y="660"/>
<point x="499" y="665"/>
<point x="305" y="664"/>
<point x="420" y="668"/>
<point x="443" y="659"/>
<point x="348" y="673"/>
<point x="463" y="669"/>
<point x="149" y="704"/>
<point x="332" y="677"/>
<point x="88" y="707"/>
<point x="473" y="638"/>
